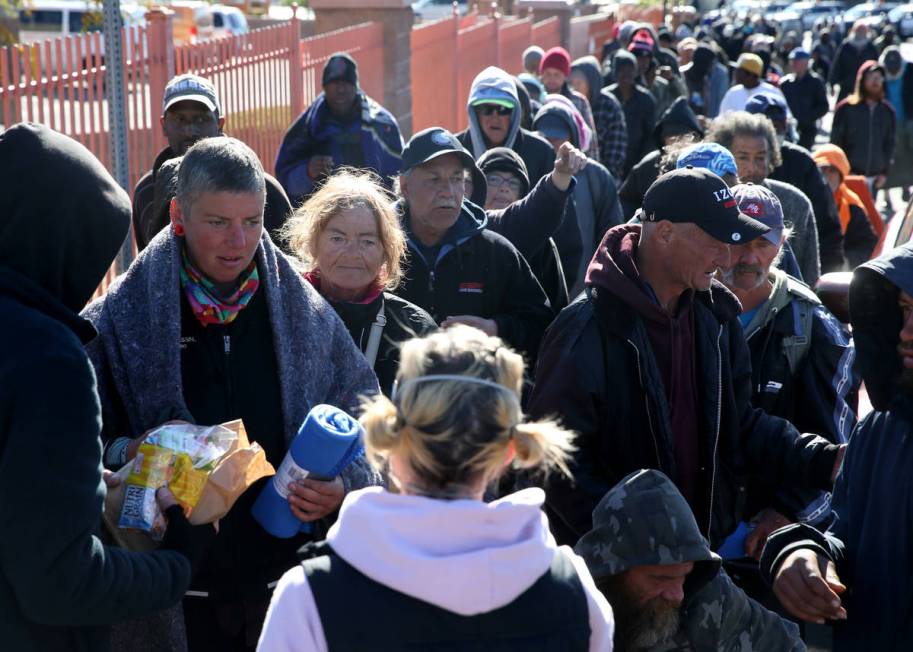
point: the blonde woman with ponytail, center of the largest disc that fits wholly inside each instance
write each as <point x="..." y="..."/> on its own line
<point x="427" y="564"/>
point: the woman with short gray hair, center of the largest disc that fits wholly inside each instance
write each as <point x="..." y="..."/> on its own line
<point x="212" y="323"/>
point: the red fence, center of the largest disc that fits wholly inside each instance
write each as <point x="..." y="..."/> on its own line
<point x="448" y="54"/>
<point x="589" y="33"/>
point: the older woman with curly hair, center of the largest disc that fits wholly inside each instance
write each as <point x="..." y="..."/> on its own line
<point x="351" y="241"/>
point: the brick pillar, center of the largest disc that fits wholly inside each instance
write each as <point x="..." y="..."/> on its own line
<point x="396" y="17"/>
<point x="544" y="9"/>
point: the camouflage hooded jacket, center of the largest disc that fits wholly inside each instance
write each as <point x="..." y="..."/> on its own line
<point x="645" y="520"/>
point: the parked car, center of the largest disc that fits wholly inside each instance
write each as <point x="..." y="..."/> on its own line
<point x="801" y="16"/>
<point x="228" y="21"/>
<point x="193" y="21"/>
<point x="870" y="12"/>
<point x="428" y="10"/>
<point x="901" y="17"/>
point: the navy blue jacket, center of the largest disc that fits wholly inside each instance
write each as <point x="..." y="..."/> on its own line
<point x="371" y="141"/>
<point x="872" y="533"/>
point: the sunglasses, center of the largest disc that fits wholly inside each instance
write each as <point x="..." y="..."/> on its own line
<point x="489" y="109"/>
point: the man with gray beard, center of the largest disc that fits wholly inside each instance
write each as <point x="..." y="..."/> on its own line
<point x="667" y="590"/>
<point x="801" y="365"/>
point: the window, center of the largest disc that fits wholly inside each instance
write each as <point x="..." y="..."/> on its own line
<point x="85" y="21"/>
<point x="217" y="19"/>
<point x="41" y="19"/>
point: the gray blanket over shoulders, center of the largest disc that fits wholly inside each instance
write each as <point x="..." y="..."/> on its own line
<point x="138" y="348"/>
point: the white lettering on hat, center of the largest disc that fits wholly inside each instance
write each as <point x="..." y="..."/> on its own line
<point x="722" y="194"/>
<point x="440" y="138"/>
<point x="736" y="237"/>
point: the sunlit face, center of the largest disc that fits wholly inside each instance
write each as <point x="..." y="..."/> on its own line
<point x="221" y="232"/>
<point x="752" y="157"/>
<point x="665" y="581"/>
<point x="553" y="79"/>
<point x="350" y="254"/>
<point x="799" y="66"/>
<point x="494" y="120"/>
<point x="188" y="121"/>
<point x="873" y="83"/>
<point x="751" y="263"/>
<point x="434" y="192"/>
<point x="503" y="190"/>
<point x="693" y="256"/>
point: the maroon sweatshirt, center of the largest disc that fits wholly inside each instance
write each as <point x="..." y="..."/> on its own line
<point x="671" y="337"/>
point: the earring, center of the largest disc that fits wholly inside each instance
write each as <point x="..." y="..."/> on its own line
<point x="179" y="230"/>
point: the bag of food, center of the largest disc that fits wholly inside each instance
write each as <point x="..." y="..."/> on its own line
<point x="206" y="468"/>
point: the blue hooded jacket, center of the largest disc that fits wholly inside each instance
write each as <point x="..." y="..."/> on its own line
<point x="315" y="132"/>
<point x="871" y="537"/>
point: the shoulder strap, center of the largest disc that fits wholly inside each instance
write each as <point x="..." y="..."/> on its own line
<point x="377" y="329"/>
<point x="796" y="346"/>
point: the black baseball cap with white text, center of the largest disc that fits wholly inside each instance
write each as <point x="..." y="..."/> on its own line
<point x="699" y="196"/>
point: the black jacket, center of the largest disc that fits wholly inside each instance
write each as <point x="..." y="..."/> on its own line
<point x="404" y="321"/>
<point x="597" y="373"/>
<point x="872" y="535"/>
<point x="678" y="117"/>
<point x="800" y="170"/>
<point x="846" y="64"/>
<point x="536" y="152"/>
<point x="640" y="119"/>
<point x="802" y="371"/>
<point x="867" y="135"/>
<point x="477" y="272"/>
<point x="806" y="97"/>
<point x="152" y="197"/>
<point x="62" y="221"/>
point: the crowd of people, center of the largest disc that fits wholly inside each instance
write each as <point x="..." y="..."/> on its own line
<point x="603" y="406"/>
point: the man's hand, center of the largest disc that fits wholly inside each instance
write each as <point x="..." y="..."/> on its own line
<point x="808" y="587"/>
<point x="110" y="478"/>
<point x="665" y="72"/>
<point x="311" y="499"/>
<point x="838" y="462"/>
<point x="319" y="166"/>
<point x="569" y="161"/>
<point x="768" y="520"/>
<point x="487" y="326"/>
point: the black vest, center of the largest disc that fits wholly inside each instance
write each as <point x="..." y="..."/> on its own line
<point x="362" y="615"/>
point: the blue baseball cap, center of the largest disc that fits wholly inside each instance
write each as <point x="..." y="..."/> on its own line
<point x="799" y="53"/>
<point x="769" y="104"/>
<point x="759" y="203"/>
<point x="709" y="156"/>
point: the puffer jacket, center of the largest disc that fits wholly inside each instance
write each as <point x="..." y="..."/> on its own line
<point x="597" y="371"/>
<point x="872" y="533"/>
<point x="657" y="527"/>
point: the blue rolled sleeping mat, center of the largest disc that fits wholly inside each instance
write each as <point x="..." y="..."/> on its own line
<point x="327" y="442"/>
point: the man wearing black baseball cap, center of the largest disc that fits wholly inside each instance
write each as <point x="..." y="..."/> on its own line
<point x="650" y="367"/>
<point x="464" y="266"/>
<point x="191" y="111"/>
<point x="342" y="127"/>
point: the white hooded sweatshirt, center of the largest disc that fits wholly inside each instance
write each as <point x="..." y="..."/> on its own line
<point x="465" y="556"/>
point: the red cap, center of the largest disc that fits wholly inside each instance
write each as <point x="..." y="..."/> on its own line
<point x="557" y="58"/>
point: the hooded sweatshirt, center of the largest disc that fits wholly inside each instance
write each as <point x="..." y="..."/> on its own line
<point x="614" y="268"/>
<point x="644" y="520"/>
<point x="872" y="534"/>
<point x="464" y="556"/>
<point x="62" y="220"/>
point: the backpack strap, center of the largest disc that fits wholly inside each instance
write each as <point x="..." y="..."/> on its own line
<point x="796" y="346"/>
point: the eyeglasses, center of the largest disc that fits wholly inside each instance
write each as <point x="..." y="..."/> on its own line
<point x="496" y="181"/>
<point x="488" y="109"/>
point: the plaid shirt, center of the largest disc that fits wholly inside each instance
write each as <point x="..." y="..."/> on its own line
<point x="611" y="132"/>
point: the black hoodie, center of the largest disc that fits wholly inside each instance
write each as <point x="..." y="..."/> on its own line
<point x="872" y="536"/>
<point x="678" y="119"/>
<point x="62" y="221"/>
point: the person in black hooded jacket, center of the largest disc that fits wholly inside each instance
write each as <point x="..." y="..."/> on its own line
<point x="459" y="270"/>
<point x="677" y="126"/>
<point x="859" y="575"/>
<point x="638" y="105"/>
<point x="651" y="368"/>
<point x="62" y="221"/>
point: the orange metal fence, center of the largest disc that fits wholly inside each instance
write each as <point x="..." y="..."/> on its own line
<point x="448" y="54"/>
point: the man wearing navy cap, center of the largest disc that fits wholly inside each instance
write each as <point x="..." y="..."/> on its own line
<point x="460" y="270"/>
<point x="342" y="127"/>
<point x="806" y="95"/>
<point x="651" y="368"/>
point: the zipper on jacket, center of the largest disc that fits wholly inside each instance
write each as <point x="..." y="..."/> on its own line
<point x="226" y="348"/>
<point x="431" y="281"/>
<point x="868" y="156"/>
<point x="716" y="439"/>
<point x="643" y="385"/>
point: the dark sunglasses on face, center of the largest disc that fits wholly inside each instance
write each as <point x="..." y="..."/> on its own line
<point x="488" y="109"/>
